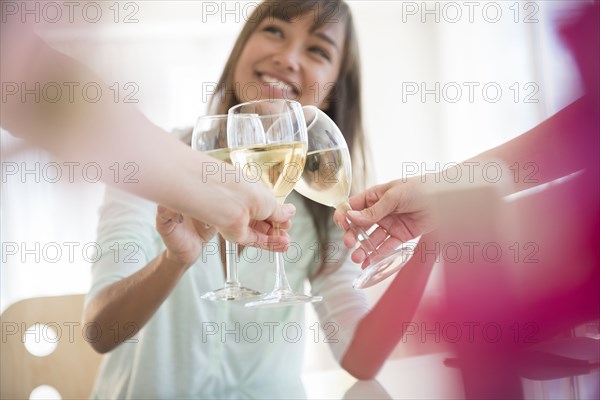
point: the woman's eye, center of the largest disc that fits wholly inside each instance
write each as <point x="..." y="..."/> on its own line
<point x="320" y="52"/>
<point x="273" y="30"/>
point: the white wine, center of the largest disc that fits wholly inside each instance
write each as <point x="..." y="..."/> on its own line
<point x="220" y="154"/>
<point x="279" y="166"/>
<point x="326" y="178"/>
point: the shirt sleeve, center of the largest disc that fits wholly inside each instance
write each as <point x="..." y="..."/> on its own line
<point x="127" y="239"/>
<point x="342" y="307"/>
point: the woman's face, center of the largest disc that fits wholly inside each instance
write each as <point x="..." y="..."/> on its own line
<point x="286" y="60"/>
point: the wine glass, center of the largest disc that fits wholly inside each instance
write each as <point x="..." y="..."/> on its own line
<point x="210" y="137"/>
<point x="269" y="138"/>
<point x="327" y="178"/>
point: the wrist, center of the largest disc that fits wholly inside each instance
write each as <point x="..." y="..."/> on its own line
<point x="171" y="261"/>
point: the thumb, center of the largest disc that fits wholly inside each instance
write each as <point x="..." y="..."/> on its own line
<point x="282" y="213"/>
<point x="371" y="215"/>
<point x="166" y="216"/>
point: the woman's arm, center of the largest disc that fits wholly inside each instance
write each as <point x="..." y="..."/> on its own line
<point x="404" y="209"/>
<point x="381" y="329"/>
<point x="561" y="145"/>
<point x="83" y="129"/>
<point x="131" y="302"/>
<point x="342" y="307"/>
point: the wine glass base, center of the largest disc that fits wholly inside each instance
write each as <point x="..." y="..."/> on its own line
<point x="282" y="298"/>
<point x="229" y="293"/>
<point x="384" y="267"/>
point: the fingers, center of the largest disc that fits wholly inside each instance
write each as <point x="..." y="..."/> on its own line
<point x="167" y="219"/>
<point x="340" y="220"/>
<point x="286" y="225"/>
<point x="379" y="209"/>
<point x="166" y="214"/>
<point x="380" y="238"/>
<point x="268" y="242"/>
<point x="387" y="247"/>
<point x="261" y="234"/>
<point x="282" y="213"/>
<point x="377" y="237"/>
<point x="267" y="228"/>
<point x="349" y="239"/>
<point x="358" y="255"/>
<point x="368" y="207"/>
<point x="370" y="196"/>
<point x="359" y="201"/>
<point x="393" y="208"/>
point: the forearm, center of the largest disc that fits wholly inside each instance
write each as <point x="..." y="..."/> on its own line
<point x="378" y="333"/>
<point x="132" y="153"/>
<point x="561" y="145"/>
<point x="126" y="306"/>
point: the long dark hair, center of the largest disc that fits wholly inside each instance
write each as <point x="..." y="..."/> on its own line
<point x="345" y="106"/>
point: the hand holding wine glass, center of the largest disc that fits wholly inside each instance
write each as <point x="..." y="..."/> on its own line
<point x="183" y="237"/>
<point x="327" y="178"/>
<point x="401" y="210"/>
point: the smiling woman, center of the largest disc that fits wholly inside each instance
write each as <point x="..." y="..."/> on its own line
<point x="305" y="51"/>
<point x="311" y="55"/>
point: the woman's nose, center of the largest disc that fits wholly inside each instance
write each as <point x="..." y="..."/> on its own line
<point x="287" y="58"/>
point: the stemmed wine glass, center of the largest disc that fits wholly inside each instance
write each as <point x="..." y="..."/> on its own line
<point x="268" y="137"/>
<point x="327" y="178"/>
<point x="210" y="137"/>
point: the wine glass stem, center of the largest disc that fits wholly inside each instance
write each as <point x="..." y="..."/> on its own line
<point x="359" y="233"/>
<point x="231" y="252"/>
<point x="281" y="281"/>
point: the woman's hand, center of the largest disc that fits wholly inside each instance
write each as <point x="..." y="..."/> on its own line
<point x="401" y="208"/>
<point x="183" y="236"/>
<point x="251" y="212"/>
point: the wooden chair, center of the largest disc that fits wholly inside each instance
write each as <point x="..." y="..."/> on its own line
<point x="70" y="369"/>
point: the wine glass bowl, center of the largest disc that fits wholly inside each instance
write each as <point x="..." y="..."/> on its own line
<point x="327" y="179"/>
<point x="327" y="175"/>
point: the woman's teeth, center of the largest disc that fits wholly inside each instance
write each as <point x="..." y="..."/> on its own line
<point x="268" y="79"/>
